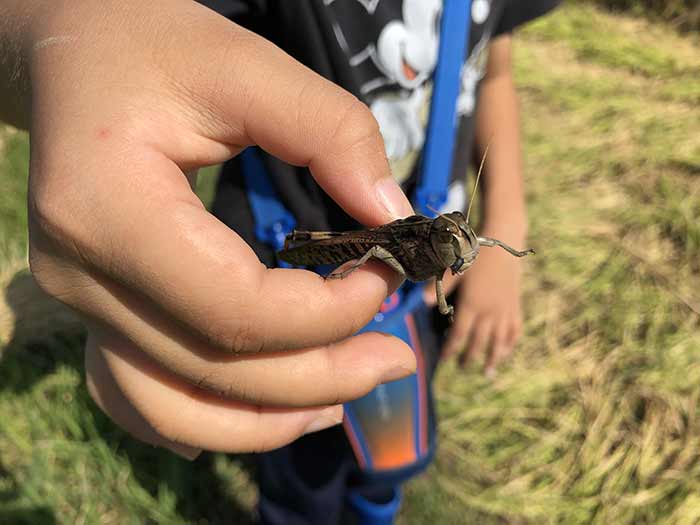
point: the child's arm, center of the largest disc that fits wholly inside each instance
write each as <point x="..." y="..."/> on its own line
<point x="488" y="316"/>
<point x="190" y="337"/>
<point x="498" y="121"/>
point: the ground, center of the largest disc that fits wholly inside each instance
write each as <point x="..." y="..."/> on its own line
<point x="595" y="420"/>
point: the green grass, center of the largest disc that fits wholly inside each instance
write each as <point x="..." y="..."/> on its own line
<point x="14" y="163"/>
<point x="595" y="420"/>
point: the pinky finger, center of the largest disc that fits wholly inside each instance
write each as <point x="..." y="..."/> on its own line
<point x="184" y="414"/>
<point x="106" y="394"/>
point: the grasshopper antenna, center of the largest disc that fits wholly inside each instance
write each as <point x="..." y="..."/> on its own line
<point x="478" y="176"/>
<point x="432" y="209"/>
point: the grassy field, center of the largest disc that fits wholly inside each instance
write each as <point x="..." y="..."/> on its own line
<point x="596" y="419"/>
<point x="682" y="14"/>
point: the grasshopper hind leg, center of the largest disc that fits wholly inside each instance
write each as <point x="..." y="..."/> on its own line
<point x="376" y="252"/>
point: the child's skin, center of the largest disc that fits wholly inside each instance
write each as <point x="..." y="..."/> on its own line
<point x="488" y="315"/>
<point x="193" y="344"/>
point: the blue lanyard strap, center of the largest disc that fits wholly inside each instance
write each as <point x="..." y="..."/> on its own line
<point x="272" y="220"/>
<point x="440" y="137"/>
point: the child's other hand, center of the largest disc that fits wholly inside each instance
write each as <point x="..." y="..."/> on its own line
<point x="193" y="344"/>
<point x="488" y="315"/>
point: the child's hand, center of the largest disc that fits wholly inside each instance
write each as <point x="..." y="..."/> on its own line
<point x="193" y="344"/>
<point x="488" y="316"/>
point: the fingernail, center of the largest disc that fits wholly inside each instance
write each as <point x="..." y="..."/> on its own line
<point x="185" y="452"/>
<point x="396" y="373"/>
<point x="329" y="417"/>
<point x="393" y="198"/>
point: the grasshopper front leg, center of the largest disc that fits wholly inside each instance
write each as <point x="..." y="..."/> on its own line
<point x="378" y="253"/>
<point x="443" y="307"/>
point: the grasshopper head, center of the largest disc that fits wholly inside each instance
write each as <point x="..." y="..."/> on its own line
<point x="454" y="241"/>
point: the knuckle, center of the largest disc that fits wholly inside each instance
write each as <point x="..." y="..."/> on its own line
<point x="233" y="324"/>
<point x="60" y="278"/>
<point x="49" y="215"/>
<point x="40" y="269"/>
<point x="57" y="225"/>
<point x="230" y="386"/>
<point x="49" y="277"/>
<point x="243" y="392"/>
<point x="244" y="339"/>
<point x="356" y="127"/>
<point x="240" y="338"/>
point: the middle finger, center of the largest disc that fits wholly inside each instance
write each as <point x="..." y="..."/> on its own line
<point x="325" y="374"/>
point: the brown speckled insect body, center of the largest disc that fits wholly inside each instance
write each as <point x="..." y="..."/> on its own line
<point x="417" y="247"/>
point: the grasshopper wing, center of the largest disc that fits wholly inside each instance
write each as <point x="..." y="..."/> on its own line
<point x="319" y="248"/>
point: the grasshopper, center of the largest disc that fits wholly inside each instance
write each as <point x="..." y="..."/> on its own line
<point x="417" y="247"/>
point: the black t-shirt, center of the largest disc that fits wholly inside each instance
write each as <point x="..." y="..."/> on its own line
<point x="384" y="52"/>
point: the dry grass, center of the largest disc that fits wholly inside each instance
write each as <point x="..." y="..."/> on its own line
<point x="596" y="419"/>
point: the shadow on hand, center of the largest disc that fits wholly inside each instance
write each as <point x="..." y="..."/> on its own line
<point x="41" y="368"/>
